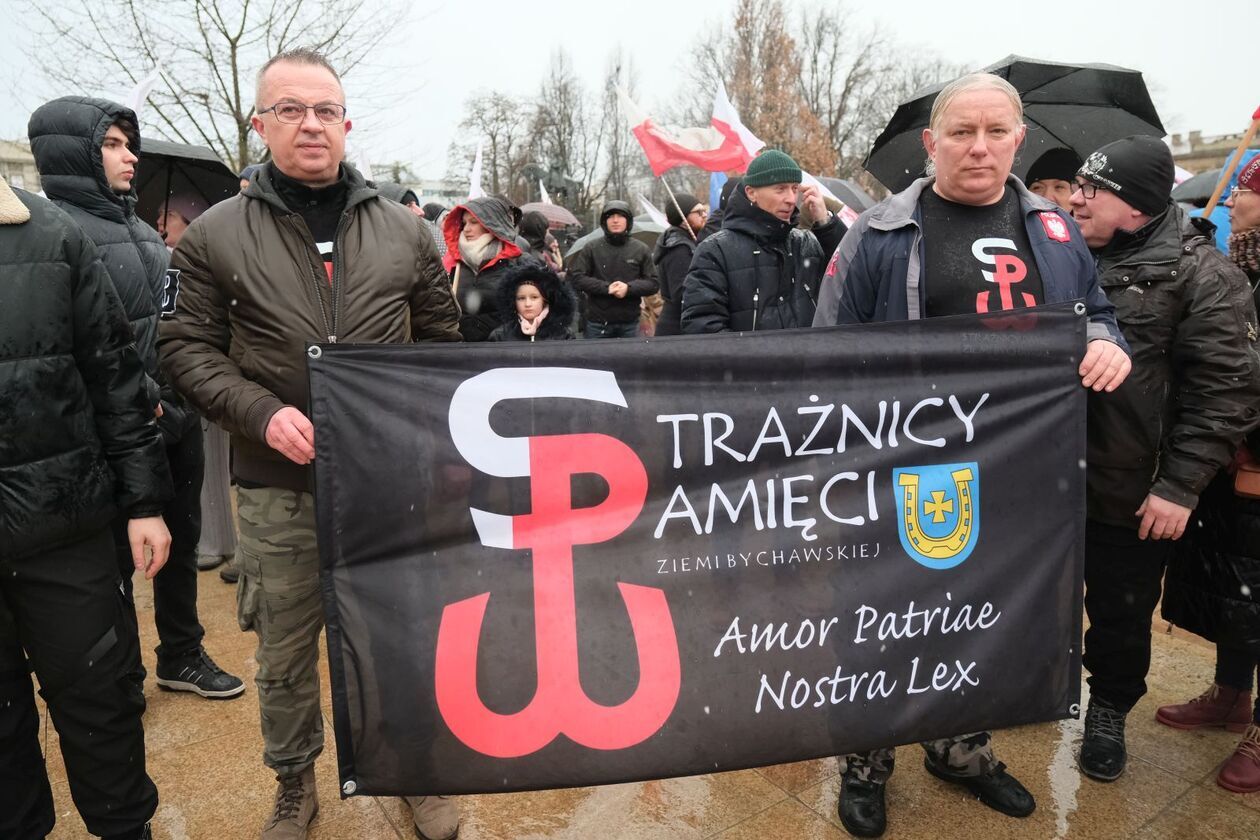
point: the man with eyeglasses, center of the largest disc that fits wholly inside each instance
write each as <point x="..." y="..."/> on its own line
<point x="1157" y="440"/>
<point x="307" y="252"/>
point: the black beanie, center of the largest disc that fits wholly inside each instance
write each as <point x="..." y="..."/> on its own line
<point x="686" y="201"/>
<point x="1058" y="164"/>
<point x="432" y="210"/>
<point x="1139" y="169"/>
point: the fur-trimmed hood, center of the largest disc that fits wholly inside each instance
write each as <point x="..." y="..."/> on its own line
<point x="560" y="298"/>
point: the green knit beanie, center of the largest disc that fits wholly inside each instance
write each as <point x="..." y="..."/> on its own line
<point x="772" y="167"/>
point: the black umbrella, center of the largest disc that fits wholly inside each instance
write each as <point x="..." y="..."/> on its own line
<point x="850" y="192"/>
<point x="187" y="175"/>
<point x="1076" y="106"/>
<point x="1198" y="189"/>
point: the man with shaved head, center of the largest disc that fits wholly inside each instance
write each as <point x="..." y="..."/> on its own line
<point x="308" y="252"/>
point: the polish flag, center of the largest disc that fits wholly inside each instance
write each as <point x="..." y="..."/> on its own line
<point x="724" y="145"/>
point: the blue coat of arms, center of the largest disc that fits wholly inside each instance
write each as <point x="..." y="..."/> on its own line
<point x="939" y="512"/>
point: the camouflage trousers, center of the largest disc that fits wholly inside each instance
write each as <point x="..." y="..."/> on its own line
<point x="962" y="755"/>
<point x="278" y="598"/>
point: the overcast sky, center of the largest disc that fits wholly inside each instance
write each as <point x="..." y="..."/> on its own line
<point x="457" y="49"/>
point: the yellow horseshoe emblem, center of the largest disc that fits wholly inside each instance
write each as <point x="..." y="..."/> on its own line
<point x="938" y="548"/>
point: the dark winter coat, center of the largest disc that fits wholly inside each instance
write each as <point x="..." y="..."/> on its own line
<point x="477" y="287"/>
<point x="1212" y="586"/>
<point x="66" y="136"/>
<point x="561" y="303"/>
<point x="78" y="441"/>
<point x="254" y="292"/>
<point x="1194" y="391"/>
<point x="757" y="273"/>
<point x="608" y="259"/>
<point x="672" y="257"/>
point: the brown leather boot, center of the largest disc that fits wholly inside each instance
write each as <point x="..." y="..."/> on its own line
<point x="1219" y="706"/>
<point x="1241" y="773"/>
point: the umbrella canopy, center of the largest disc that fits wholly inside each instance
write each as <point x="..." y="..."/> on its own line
<point x="1076" y="106"/>
<point x="557" y="216"/>
<point x="645" y="230"/>
<point x="1197" y="189"/>
<point x="189" y="176"/>
<point x="850" y="192"/>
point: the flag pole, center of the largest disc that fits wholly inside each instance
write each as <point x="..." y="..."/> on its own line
<point x="686" y="223"/>
<point x="1227" y="170"/>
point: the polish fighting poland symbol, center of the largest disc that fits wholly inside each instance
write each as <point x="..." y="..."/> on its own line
<point x="551" y="530"/>
<point x="1008" y="270"/>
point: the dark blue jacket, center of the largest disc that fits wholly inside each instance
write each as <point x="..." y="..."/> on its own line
<point x="876" y="273"/>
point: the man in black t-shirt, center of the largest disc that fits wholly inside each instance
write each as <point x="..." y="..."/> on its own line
<point x="969" y="238"/>
<point x="978" y="259"/>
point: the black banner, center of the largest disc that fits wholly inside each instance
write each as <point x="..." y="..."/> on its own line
<point x="584" y="562"/>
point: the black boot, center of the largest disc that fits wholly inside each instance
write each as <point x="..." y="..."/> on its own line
<point x="142" y="833"/>
<point x="1102" y="752"/>
<point x="998" y="789"/>
<point x="862" y="806"/>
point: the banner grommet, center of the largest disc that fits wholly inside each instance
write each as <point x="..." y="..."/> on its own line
<point x="1079" y="309"/>
<point x="1074" y="710"/>
<point x="349" y="787"/>
<point x="314" y="351"/>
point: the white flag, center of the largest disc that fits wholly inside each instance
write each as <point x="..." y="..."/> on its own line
<point x="474" y="179"/>
<point x="546" y="199"/>
<point x="657" y="215"/>
<point x="136" y="99"/>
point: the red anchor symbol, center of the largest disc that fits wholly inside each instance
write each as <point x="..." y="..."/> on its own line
<point x="1009" y="271"/>
<point x="559" y="705"/>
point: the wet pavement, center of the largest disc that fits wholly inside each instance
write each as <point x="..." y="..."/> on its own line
<point x="205" y="757"/>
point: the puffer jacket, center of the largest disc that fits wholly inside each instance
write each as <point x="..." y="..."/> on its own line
<point x="254" y="291"/>
<point x="66" y="136"/>
<point x="607" y="259"/>
<point x="757" y="273"/>
<point x="672" y="257"/>
<point x="78" y="440"/>
<point x="477" y="287"/>
<point x="561" y="303"/>
<point x="1212" y="586"/>
<point x="1194" y="391"/>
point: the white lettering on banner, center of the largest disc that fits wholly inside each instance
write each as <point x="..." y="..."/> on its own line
<point x="838" y="429"/>
<point x="947" y="618"/>
<point x="787" y="691"/>
<point x="747" y="559"/>
<point x="778" y="505"/>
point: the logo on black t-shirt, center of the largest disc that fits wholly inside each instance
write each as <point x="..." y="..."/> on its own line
<point x="1009" y="269"/>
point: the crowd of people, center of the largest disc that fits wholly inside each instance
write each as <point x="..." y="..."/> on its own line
<point x="129" y="359"/>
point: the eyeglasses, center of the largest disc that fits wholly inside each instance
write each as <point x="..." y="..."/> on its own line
<point x="1234" y="192"/>
<point x="329" y="113"/>
<point x="1087" y="189"/>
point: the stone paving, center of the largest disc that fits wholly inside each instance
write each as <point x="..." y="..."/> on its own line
<point x="205" y="757"/>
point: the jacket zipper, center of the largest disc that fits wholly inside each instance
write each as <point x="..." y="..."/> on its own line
<point x="336" y="278"/>
<point x="329" y="326"/>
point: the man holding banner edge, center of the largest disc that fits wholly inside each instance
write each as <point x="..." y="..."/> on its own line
<point x="902" y="261"/>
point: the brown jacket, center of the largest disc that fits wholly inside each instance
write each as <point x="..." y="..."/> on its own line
<point x="253" y="292"/>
